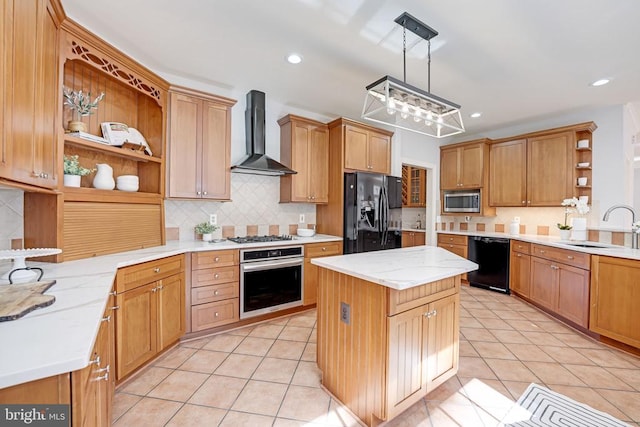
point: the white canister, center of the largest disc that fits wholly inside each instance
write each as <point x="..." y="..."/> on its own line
<point x="514" y="228"/>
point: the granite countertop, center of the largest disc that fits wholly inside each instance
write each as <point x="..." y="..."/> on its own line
<point x="59" y="338"/>
<point x="399" y="268"/>
<point x="606" y="249"/>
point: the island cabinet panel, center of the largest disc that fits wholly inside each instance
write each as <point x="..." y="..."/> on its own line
<point x="615" y="298"/>
<point x="381" y="350"/>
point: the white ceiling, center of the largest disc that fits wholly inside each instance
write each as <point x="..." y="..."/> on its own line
<point x="513" y="60"/>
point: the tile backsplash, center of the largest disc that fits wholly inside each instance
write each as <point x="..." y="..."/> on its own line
<point x="11" y="214"/>
<point x="254" y="202"/>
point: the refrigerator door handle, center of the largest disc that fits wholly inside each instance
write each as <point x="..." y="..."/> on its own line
<point x="385" y="214"/>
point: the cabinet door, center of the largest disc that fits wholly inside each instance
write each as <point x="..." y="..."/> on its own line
<point x="449" y="169"/>
<point x="379" y="149"/>
<point x="107" y="378"/>
<point x="310" y="292"/>
<point x="301" y="147"/>
<point x="544" y="282"/>
<point x="171" y="322"/>
<point x="6" y="79"/>
<point x="32" y="96"/>
<point x="573" y="294"/>
<point x="419" y="238"/>
<point x="356" y="148"/>
<point x="615" y="299"/>
<point x="441" y="332"/>
<point x="318" y="165"/>
<point x="407" y="239"/>
<point x="519" y="272"/>
<point x="185" y="162"/>
<point x="456" y="249"/>
<point x="550" y="169"/>
<point x="136" y="325"/>
<point x="216" y="152"/>
<point x="508" y="173"/>
<point x="471" y="166"/>
<point x="406" y="375"/>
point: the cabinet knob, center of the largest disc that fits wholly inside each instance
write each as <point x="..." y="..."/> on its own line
<point x="524" y="202"/>
<point x="160" y="287"/>
<point x="156" y="270"/>
<point x="216" y="276"/>
<point x="154" y="289"/>
<point x="216" y="259"/>
<point x="554" y="267"/>
<point x="542" y="251"/>
<point x="198" y="193"/>
<point x="519" y="256"/>
<point x="324" y="249"/>
<point x="204" y="193"/>
<point x="216" y="292"/>
<point x="215" y="315"/>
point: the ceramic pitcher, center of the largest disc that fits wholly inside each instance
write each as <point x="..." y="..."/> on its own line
<point x="104" y="177"/>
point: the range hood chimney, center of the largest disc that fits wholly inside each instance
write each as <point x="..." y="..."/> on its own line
<point x="257" y="162"/>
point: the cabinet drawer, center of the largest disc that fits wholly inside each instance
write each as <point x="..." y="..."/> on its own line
<point x="314" y="250"/>
<point x="565" y="256"/>
<point x="212" y="259"/>
<point x="136" y="275"/>
<point x="205" y="316"/>
<point x="205" y="294"/>
<point x="215" y="276"/>
<point x="454" y="239"/>
<point x="520" y="246"/>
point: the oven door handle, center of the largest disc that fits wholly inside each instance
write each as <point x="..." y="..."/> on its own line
<point x="269" y="265"/>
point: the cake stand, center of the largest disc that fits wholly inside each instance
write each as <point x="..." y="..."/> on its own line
<point x="19" y="272"/>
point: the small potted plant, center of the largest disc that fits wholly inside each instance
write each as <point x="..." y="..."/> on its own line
<point x="73" y="171"/>
<point x="206" y="229"/>
<point x="81" y="105"/>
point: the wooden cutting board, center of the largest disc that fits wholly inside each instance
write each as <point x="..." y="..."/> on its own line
<point x="19" y="299"/>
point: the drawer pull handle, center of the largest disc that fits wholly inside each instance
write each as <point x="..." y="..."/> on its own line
<point x="154" y="289"/>
<point x="160" y="287"/>
<point x="555" y="267"/>
<point x="430" y="314"/>
<point x="105" y="369"/>
<point x="216" y="259"/>
<point x="105" y="377"/>
<point x="542" y="251"/>
<point x="324" y="249"/>
<point x="95" y="361"/>
<point x="115" y="307"/>
<point x="156" y="270"/>
<point x="569" y="257"/>
<point x="106" y="319"/>
<point x="519" y="256"/>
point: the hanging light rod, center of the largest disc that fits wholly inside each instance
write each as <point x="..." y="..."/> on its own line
<point x="395" y="102"/>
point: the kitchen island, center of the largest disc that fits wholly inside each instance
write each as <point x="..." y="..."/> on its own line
<point x="388" y="327"/>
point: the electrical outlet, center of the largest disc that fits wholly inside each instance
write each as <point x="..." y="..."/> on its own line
<point x="301" y="221"/>
<point x="516" y="218"/>
<point x="213" y="219"/>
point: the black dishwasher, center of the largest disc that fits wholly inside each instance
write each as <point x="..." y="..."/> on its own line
<point x="492" y="256"/>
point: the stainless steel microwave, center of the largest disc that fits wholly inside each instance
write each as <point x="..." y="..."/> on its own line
<point x="462" y="201"/>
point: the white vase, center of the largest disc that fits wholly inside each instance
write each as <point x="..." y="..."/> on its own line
<point x="207" y="237"/>
<point x="71" y="180"/>
<point x="104" y="177"/>
<point x="565" y="234"/>
<point x="579" y="230"/>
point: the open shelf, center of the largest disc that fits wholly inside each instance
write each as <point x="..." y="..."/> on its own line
<point x="116" y="151"/>
<point x="86" y="194"/>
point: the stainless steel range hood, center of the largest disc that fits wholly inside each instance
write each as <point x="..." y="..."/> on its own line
<point x="257" y="162"/>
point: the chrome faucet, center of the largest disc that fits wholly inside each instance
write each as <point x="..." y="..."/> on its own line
<point x="634" y="215"/>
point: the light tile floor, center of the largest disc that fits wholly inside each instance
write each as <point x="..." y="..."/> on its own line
<point x="266" y="375"/>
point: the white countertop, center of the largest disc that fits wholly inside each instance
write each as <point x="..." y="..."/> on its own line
<point x="608" y="250"/>
<point x="399" y="268"/>
<point x="59" y="338"/>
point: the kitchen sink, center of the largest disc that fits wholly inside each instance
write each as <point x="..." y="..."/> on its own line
<point x="591" y="245"/>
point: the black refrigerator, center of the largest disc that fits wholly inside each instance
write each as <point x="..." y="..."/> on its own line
<point x="372" y="212"/>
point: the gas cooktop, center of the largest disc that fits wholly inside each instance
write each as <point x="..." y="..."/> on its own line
<point x="257" y="239"/>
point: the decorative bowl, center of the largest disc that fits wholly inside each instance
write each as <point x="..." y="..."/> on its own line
<point x="127" y="183"/>
<point x="306" y="232"/>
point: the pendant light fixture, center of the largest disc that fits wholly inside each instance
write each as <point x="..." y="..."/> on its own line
<point x="394" y="102"/>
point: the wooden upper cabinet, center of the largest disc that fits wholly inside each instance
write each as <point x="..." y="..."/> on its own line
<point x="199" y="145"/>
<point x="30" y="98"/>
<point x="414" y="187"/>
<point x="540" y="168"/>
<point x="463" y="166"/>
<point x="304" y="147"/>
<point x="508" y="173"/>
<point x="550" y="169"/>
<point x="366" y="149"/>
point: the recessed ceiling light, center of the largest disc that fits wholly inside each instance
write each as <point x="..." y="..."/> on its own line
<point x="600" y="82"/>
<point x="475" y="115"/>
<point x="294" y="58"/>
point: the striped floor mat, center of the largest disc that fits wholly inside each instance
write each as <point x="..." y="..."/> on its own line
<point x="539" y="406"/>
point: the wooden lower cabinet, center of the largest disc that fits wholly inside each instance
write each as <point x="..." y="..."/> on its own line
<point x="520" y="268"/>
<point x="215" y="289"/>
<point x="315" y="250"/>
<point x="455" y="243"/>
<point x="88" y="391"/>
<point x="413" y="238"/>
<point x="615" y="297"/>
<point x="393" y="349"/>
<point x="151" y="316"/>
<point x="423" y="351"/>
<point x="559" y="287"/>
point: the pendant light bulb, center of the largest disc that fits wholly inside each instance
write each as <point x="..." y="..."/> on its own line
<point x="418" y="115"/>
<point x="391" y="106"/>
<point x="405" y="111"/>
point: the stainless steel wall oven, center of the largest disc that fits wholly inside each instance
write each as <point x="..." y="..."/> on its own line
<point x="271" y="279"/>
